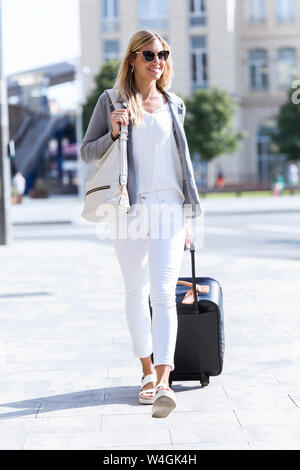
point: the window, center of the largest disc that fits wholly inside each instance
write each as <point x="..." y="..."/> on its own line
<point x="269" y="160"/>
<point x="153" y="14"/>
<point x="111" y="49"/>
<point x="255" y="11"/>
<point x="197" y="12"/>
<point x="285" y="10"/>
<point x="258" y="69"/>
<point x="287" y="66"/>
<point x="198" y="62"/>
<point x="110" y="20"/>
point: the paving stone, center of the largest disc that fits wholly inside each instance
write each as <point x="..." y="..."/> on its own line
<point x="12" y="440"/>
<point x="274" y="445"/>
<point x="197" y="398"/>
<point x="246" y="377"/>
<point x="221" y="434"/>
<point x="58" y="424"/>
<point x="272" y="432"/>
<point x="258" y="396"/>
<point x="41" y="375"/>
<point x="287" y="375"/>
<point x="175" y="447"/>
<point x="176" y="418"/>
<point x="94" y="440"/>
<point x="295" y="396"/>
<point x="14" y="393"/>
<point x="124" y="372"/>
<point x="70" y="401"/>
<point x="100" y="366"/>
<point x="260" y="416"/>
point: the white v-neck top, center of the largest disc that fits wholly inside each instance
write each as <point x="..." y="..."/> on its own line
<point x="155" y="153"/>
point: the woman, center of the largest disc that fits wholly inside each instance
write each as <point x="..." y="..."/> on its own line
<point x="161" y="181"/>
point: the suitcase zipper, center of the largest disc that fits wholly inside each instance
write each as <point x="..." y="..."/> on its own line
<point x="97" y="189"/>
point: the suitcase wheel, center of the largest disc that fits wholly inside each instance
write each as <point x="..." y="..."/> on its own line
<point x="204" y="379"/>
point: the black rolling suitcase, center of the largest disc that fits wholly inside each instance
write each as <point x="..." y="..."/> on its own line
<point x="200" y="340"/>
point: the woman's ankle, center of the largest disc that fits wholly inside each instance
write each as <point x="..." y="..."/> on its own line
<point x="147" y="366"/>
<point x="163" y="374"/>
<point x="149" y="371"/>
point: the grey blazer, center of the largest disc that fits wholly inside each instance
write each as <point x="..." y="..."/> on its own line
<point x="98" y="139"/>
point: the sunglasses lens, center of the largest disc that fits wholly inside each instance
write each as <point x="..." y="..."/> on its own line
<point x="149" y="55"/>
<point x="163" y="55"/>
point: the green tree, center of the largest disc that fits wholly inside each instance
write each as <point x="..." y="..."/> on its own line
<point x="209" y="123"/>
<point x="103" y="80"/>
<point x="287" y="132"/>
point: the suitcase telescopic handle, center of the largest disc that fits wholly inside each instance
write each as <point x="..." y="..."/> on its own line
<point x="192" y="250"/>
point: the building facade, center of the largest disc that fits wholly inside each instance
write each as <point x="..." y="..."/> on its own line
<point x="249" y="48"/>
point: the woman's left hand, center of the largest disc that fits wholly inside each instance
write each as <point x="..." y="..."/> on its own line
<point x="188" y="236"/>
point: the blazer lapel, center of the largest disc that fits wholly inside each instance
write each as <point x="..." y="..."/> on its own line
<point x="176" y="110"/>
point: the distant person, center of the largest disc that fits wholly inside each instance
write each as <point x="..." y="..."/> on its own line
<point x="278" y="184"/>
<point x="220" y="182"/>
<point x="293" y="174"/>
<point x="18" y="184"/>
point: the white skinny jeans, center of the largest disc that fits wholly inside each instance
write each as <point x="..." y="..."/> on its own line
<point x="151" y="264"/>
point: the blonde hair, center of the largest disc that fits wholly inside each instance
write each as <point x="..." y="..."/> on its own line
<point x="125" y="83"/>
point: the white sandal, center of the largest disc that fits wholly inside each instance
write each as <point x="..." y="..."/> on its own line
<point x="146" y="396"/>
<point x="164" y="401"/>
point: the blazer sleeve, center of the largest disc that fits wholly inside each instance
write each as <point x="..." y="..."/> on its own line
<point x="97" y="138"/>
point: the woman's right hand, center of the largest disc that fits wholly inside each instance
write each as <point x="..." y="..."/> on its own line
<point x="118" y="117"/>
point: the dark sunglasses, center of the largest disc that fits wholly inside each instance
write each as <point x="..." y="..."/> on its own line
<point x="149" y="55"/>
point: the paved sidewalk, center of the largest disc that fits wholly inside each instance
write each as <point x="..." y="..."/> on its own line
<point x="67" y="209"/>
<point x="69" y="379"/>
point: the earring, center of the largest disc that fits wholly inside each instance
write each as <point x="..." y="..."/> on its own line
<point x="132" y="69"/>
